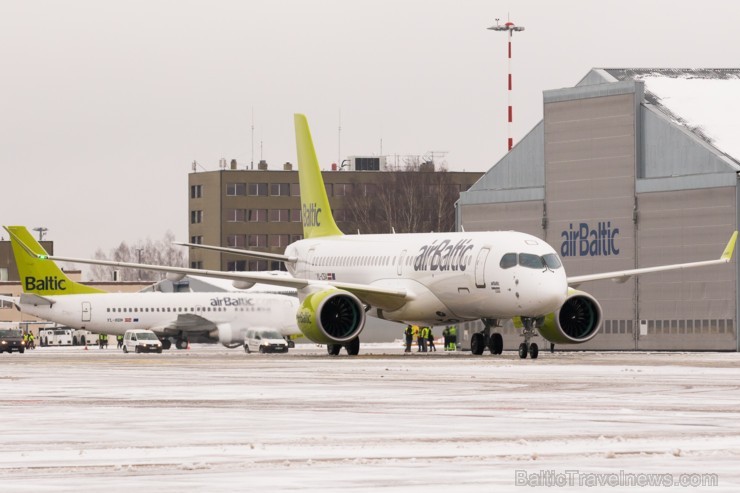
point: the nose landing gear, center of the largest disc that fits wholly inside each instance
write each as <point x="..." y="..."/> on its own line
<point x="527" y="348"/>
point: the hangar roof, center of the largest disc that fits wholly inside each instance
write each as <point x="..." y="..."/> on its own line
<point x="704" y="101"/>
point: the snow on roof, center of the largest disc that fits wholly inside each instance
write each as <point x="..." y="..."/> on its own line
<point x="705" y="101"/>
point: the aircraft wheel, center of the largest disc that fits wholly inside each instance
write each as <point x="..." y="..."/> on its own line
<point x="534" y="350"/>
<point x="497" y="343"/>
<point x="353" y="347"/>
<point x="333" y="349"/>
<point x="181" y="344"/>
<point x="523" y="350"/>
<point x="166" y="343"/>
<point x="477" y="343"/>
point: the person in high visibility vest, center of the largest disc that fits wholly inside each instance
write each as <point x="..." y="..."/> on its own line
<point x="119" y="338"/>
<point x="453" y="338"/>
<point x="409" y="334"/>
<point x="424" y="337"/>
<point x="430" y="338"/>
<point x="446" y="336"/>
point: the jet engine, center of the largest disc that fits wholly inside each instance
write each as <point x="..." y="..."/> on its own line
<point x="332" y="316"/>
<point x="577" y="321"/>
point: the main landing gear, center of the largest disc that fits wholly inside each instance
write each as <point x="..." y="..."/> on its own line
<point x="482" y="340"/>
<point x="352" y="347"/>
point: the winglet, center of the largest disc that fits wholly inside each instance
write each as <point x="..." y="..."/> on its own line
<point x="727" y="254"/>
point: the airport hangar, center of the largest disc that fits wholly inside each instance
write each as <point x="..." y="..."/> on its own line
<point x="630" y="168"/>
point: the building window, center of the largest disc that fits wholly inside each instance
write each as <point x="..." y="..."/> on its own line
<point x="329" y="189"/>
<point x="234" y="189"/>
<point x="196" y="240"/>
<point x="279" y="215"/>
<point x="257" y="189"/>
<point x="294" y="238"/>
<point x="340" y="215"/>
<point x="236" y="241"/>
<point x="279" y="240"/>
<point x="196" y="191"/>
<point x="6" y="304"/>
<point x="342" y="189"/>
<point x="295" y="190"/>
<point x="258" y="241"/>
<point x="280" y="189"/>
<point x="196" y="217"/>
<point x="236" y="266"/>
<point x="295" y="216"/>
<point x="197" y="264"/>
<point x="257" y="215"/>
<point x="235" y="215"/>
<point x="258" y="265"/>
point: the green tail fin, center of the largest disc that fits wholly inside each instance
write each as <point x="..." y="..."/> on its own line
<point x="316" y="211"/>
<point x="40" y="275"/>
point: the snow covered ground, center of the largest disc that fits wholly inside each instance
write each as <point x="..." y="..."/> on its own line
<point x="211" y="419"/>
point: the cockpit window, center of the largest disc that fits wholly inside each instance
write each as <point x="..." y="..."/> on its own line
<point x="552" y="261"/>
<point x="508" y="260"/>
<point x="531" y="261"/>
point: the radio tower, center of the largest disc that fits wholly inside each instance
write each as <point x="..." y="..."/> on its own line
<point x="510" y="28"/>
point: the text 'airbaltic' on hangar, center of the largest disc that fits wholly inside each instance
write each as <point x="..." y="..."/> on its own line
<point x="632" y="168"/>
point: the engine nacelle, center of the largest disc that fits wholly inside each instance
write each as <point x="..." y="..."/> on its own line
<point x="332" y="316"/>
<point x="577" y="321"/>
<point x="227" y="335"/>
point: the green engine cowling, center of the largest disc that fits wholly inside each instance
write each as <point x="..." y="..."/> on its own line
<point x="332" y="316"/>
<point x="577" y="321"/>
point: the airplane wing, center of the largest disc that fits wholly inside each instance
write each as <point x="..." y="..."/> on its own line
<point x="624" y="275"/>
<point x="239" y="251"/>
<point x="187" y="323"/>
<point x="374" y="295"/>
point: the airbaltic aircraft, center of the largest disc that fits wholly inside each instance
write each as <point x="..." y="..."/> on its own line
<point x="429" y="278"/>
<point x="224" y="317"/>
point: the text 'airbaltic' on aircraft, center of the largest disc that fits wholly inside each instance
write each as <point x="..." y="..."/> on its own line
<point x="428" y="279"/>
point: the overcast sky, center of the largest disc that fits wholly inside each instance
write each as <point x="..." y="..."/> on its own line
<point x="105" y="105"/>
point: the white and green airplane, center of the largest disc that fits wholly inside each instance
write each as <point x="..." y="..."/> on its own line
<point x="223" y="317"/>
<point x="427" y="278"/>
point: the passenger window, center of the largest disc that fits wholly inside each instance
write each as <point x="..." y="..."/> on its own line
<point x="508" y="261"/>
<point x="531" y="261"/>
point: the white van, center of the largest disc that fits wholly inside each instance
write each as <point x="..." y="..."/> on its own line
<point x="140" y="341"/>
<point x="265" y="341"/>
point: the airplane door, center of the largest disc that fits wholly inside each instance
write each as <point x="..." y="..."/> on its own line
<point x="86" y="311"/>
<point x="480" y="267"/>
<point x="401" y="260"/>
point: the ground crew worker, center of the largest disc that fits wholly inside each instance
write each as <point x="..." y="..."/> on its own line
<point x="423" y="337"/>
<point x="31" y="342"/>
<point x="417" y="333"/>
<point x="430" y="338"/>
<point x="105" y="340"/>
<point x="446" y="335"/>
<point x="119" y="338"/>
<point x="409" y="333"/>
<point x="100" y="341"/>
<point x="453" y="338"/>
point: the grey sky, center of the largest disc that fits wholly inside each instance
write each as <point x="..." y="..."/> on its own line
<point x="104" y="105"/>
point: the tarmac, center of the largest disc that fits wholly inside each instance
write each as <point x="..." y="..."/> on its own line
<point x="216" y="419"/>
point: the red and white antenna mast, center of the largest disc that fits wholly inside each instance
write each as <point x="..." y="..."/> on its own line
<point x="510" y="28"/>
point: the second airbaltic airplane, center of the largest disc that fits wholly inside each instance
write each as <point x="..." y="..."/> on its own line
<point x="429" y="278"/>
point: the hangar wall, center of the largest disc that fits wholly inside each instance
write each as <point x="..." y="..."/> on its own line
<point x="622" y="186"/>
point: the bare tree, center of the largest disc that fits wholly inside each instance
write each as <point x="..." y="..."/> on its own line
<point x="160" y="252"/>
<point x="414" y="199"/>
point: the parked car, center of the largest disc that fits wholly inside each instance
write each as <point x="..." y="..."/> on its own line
<point x="265" y="341"/>
<point x="141" y="341"/>
<point x="11" y="340"/>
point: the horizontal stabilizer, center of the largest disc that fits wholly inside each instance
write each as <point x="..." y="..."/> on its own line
<point x="35" y="300"/>
<point x="239" y="251"/>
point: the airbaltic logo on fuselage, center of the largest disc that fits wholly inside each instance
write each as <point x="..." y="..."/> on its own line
<point x="226" y="301"/>
<point x="47" y="283"/>
<point x="311" y="215"/>
<point x="587" y="242"/>
<point x="443" y="256"/>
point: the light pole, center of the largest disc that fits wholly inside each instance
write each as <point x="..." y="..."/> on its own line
<point x="510" y="28"/>
<point x="138" y="256"/>
<point x="42" y="231"/>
